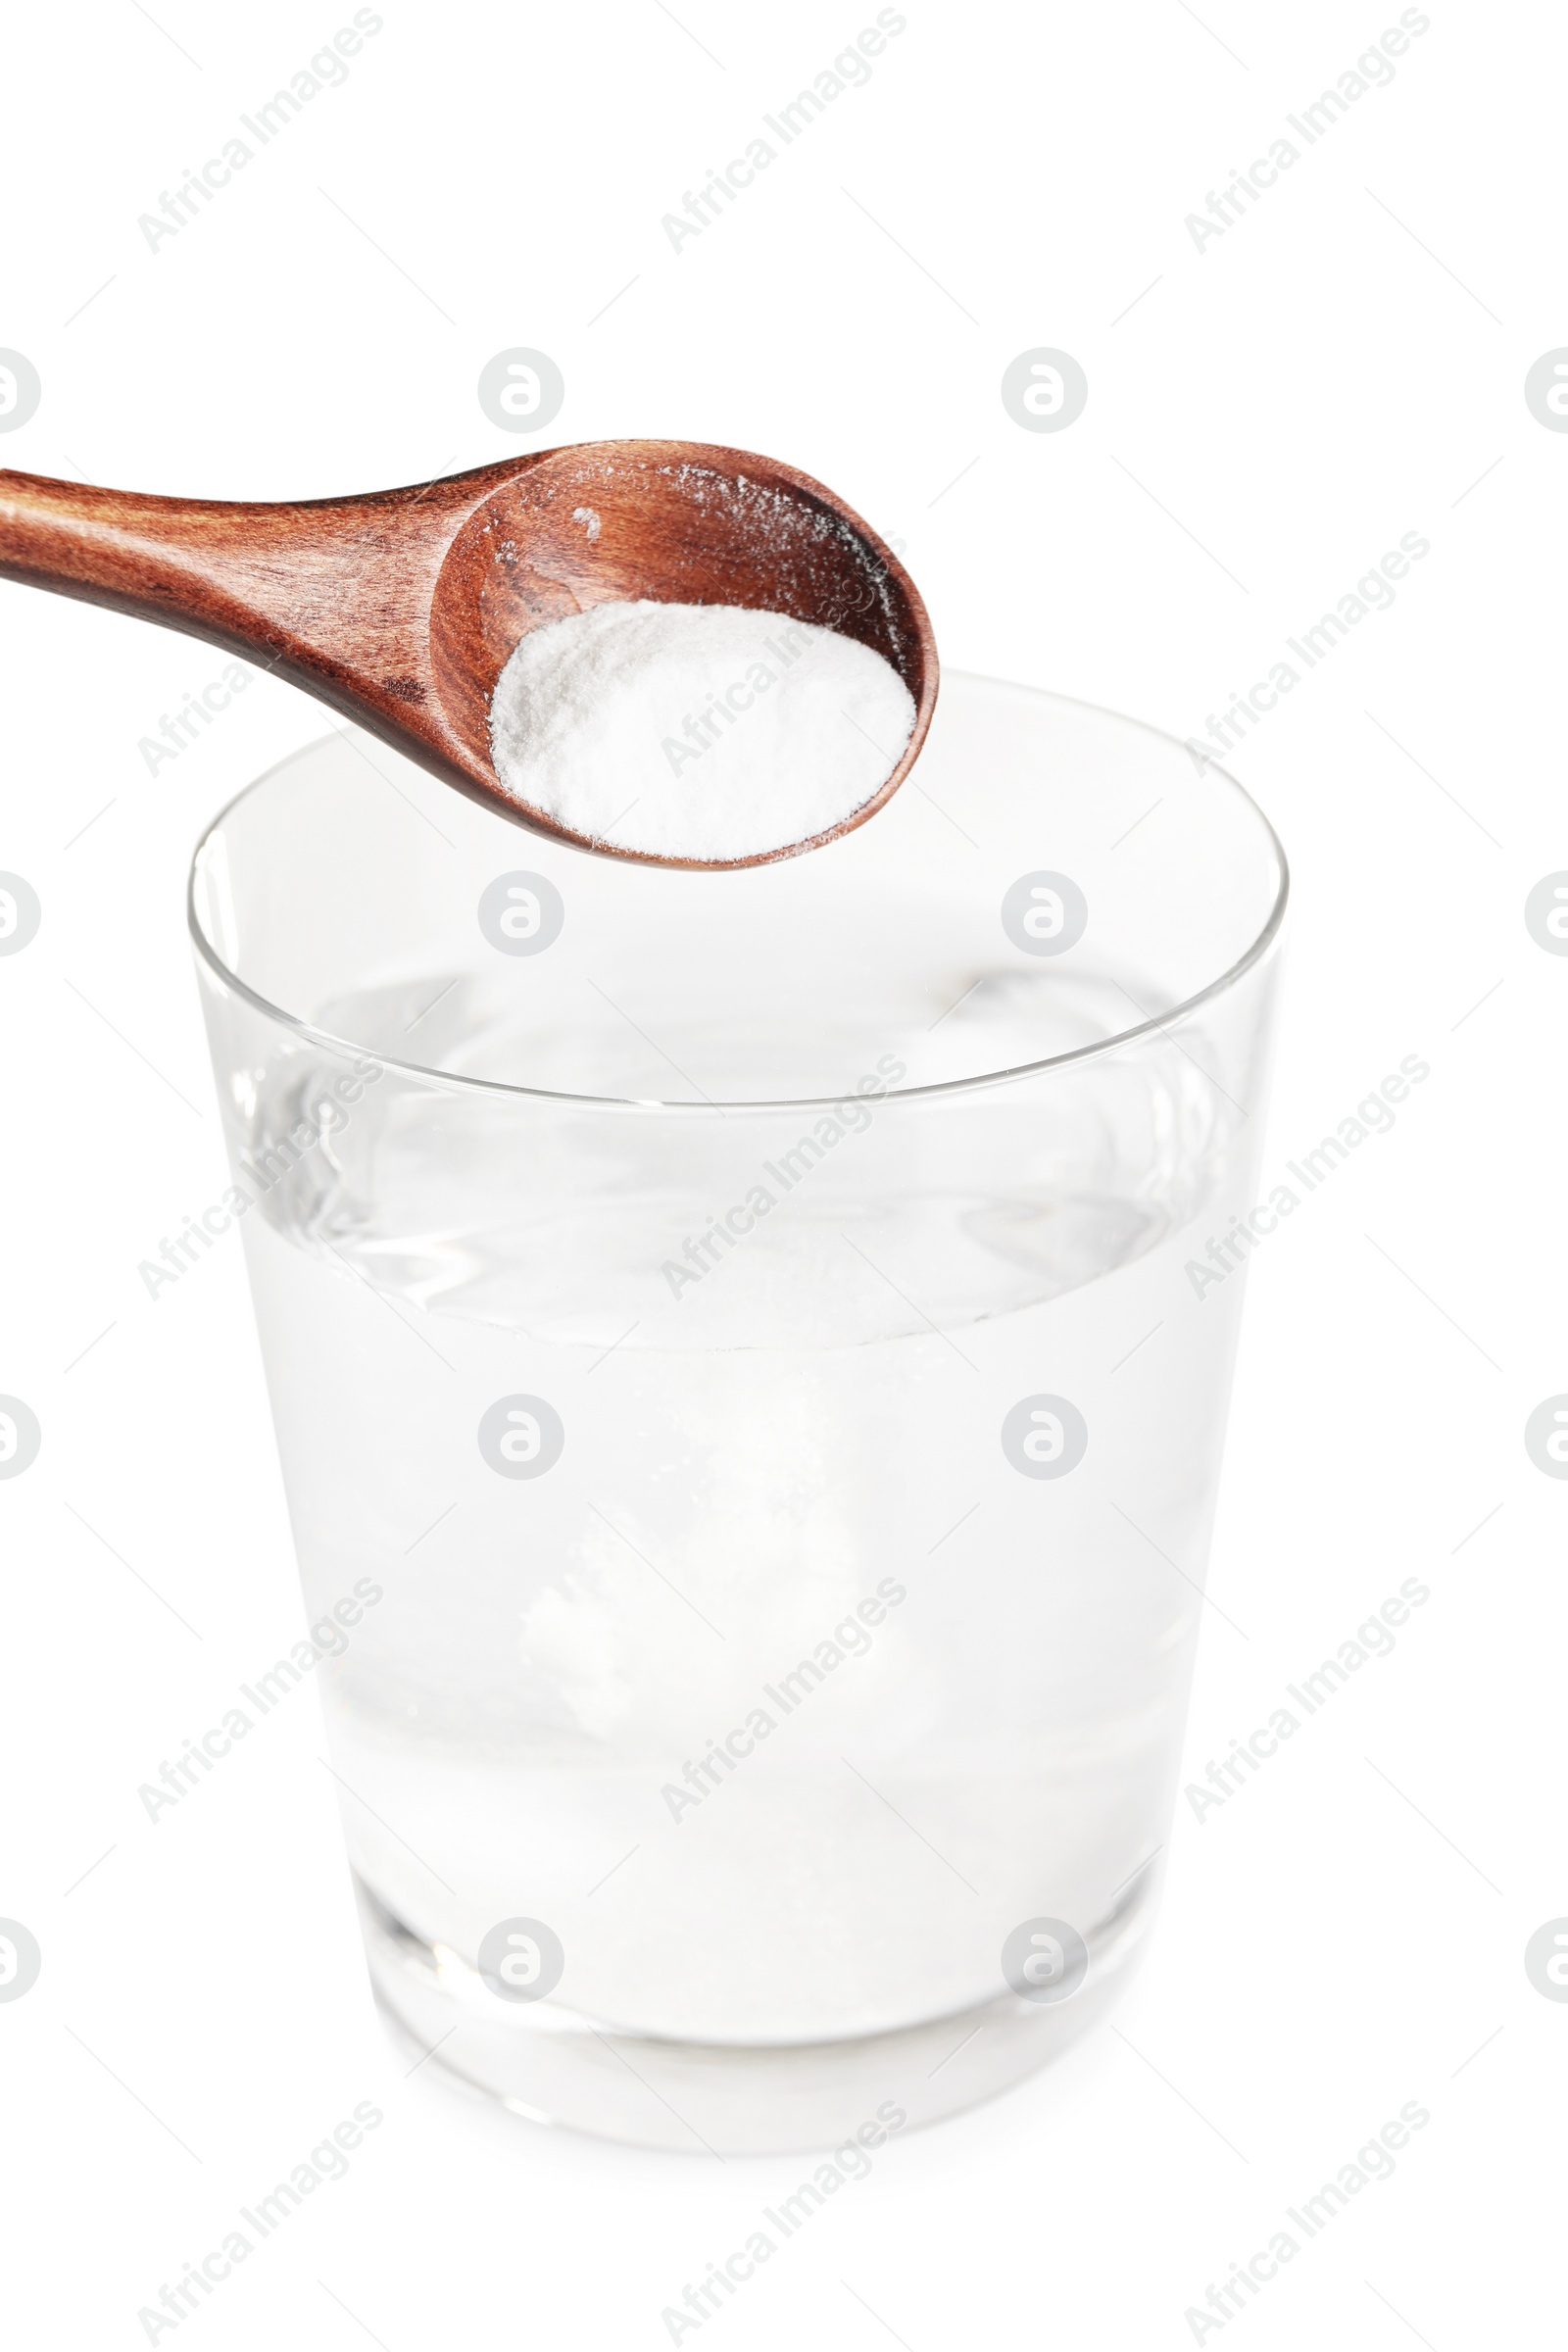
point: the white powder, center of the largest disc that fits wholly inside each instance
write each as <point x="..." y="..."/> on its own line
<point x="701" y="731"/>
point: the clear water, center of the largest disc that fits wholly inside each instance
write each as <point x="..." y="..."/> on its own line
<point x="811" y="1426"/>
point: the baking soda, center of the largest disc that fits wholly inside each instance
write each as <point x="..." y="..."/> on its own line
<point x="701" y="731"/>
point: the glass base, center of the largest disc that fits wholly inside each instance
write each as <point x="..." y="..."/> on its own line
<point x="555" y="2066"/>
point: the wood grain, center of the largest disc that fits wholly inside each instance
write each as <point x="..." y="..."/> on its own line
<point x="399" y="608"/>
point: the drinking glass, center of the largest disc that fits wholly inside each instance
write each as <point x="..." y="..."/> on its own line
<point x="749" y="1355"/>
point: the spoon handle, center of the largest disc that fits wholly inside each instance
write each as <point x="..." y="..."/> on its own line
<point x="278" y="580"/>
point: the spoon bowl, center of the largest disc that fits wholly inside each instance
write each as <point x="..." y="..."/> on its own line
<point x="401" y="609"/>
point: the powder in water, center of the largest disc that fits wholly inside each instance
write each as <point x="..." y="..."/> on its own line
<point x="701" y="731"/>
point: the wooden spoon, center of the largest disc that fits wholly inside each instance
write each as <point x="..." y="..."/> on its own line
<point x="401" y="608"/>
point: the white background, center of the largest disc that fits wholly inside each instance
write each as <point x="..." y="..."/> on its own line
<point x="1266" y="416"/>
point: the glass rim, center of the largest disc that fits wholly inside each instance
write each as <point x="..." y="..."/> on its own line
<point x="462" y="1082"/>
